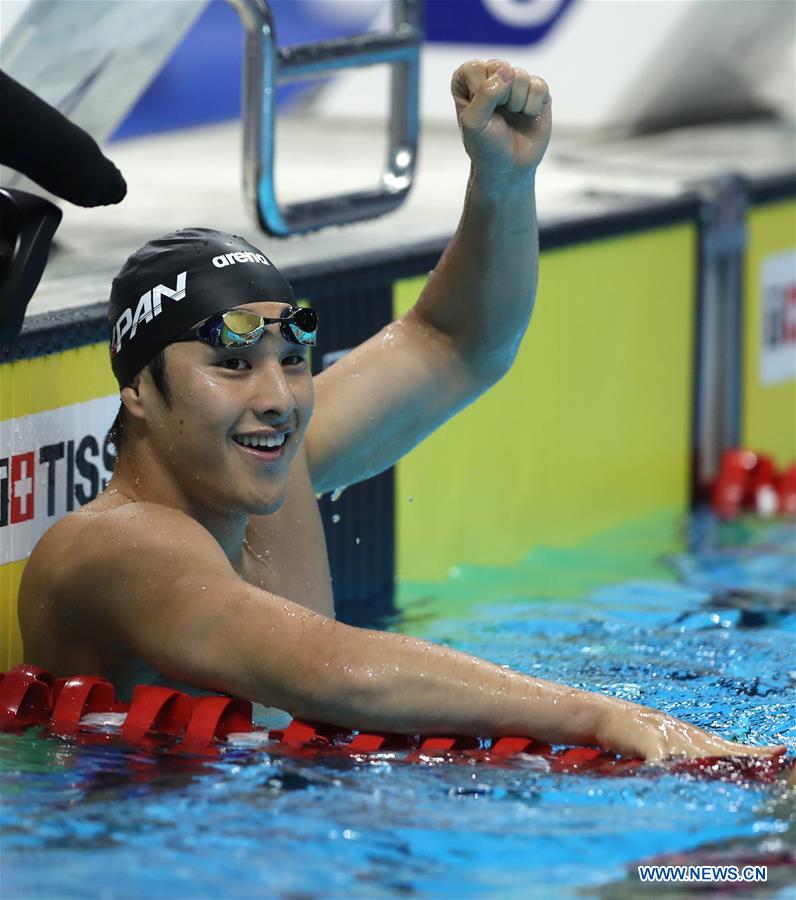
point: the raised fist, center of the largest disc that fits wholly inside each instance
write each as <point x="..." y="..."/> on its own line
<point x="505" y="119"/>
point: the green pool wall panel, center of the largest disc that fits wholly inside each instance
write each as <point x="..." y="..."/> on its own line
<point x="768" y="417"/>
<point x="590" y="428"/>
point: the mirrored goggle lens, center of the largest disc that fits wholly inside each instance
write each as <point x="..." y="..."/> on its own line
<point x="241" y="323"/>
<point x="303" y="325"/>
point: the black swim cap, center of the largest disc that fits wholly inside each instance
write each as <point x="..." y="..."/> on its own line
<point x="177" y="280"/>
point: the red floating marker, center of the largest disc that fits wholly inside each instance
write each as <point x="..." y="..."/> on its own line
<point x="314" y="734"/>
<point x="577" y="758"/>
<point x="739" y="460"/>
<point x="25" y="698"/>
<point x="762" y="487"/>
<point x="731" y="487"/>
<point x="511" y="746"/>
<point x="36" y="672"/>
<point x="787" y="491"/>
<point x="213" y="718"/>
<point x="732" y="768"/>
<point x="75" y="698"/>
<point x="726" y="498"/>
<point x="440" y="746"/>
<point x="608" y="765"/>
<point x="299" y="734"/>
<point x="437" y="744"/>
<point x="156" y="710"/>
<point x="369" y="743"/>
<point x="748" y="480"/>
<point x="763" y="472"/>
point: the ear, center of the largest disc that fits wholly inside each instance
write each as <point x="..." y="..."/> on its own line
<point x="131" y="398"/>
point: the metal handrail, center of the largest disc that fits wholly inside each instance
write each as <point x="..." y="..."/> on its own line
<point x="266" y="66"/>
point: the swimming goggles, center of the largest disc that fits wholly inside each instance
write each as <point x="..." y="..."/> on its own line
<point x="244" y="328"/>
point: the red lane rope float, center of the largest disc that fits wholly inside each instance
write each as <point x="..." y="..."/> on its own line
<point x="213" y="718"/>
<point x="750" y="481"/>
<point x="25" y="697"/>
<point x="156" y="710"/>
<point x="170" y="720"/>
<point x="75" y="697"/>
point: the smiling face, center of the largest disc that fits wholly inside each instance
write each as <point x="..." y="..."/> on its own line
<point x="235" y="418"/>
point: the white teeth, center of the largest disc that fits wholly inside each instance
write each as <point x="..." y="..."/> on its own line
<point x="261" y="440"/>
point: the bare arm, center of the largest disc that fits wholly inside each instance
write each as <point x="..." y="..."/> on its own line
<point x="482" y="292"/>
<point x="189" y="616"/>
<point x="389" y="393"/>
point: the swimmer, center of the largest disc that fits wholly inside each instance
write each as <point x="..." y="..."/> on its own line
<point x="204" y="564"/>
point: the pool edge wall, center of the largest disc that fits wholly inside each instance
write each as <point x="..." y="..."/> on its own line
<point x="592" y="426"/>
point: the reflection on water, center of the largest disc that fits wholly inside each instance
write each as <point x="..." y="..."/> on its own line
<point x="704" y="631"/>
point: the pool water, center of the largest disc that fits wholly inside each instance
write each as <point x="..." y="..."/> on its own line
<point x="698" y="622"/>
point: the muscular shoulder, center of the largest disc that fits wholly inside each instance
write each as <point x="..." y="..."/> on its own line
<point x="96" y="554"/>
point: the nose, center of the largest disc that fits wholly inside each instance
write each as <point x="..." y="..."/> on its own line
<point x="273" y="400"/>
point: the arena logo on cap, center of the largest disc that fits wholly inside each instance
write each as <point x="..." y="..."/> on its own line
<point x="150" y="305"/>
<point x="241" y="256"/>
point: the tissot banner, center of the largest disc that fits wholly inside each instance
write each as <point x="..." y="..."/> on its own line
<point x="51" y="463"/>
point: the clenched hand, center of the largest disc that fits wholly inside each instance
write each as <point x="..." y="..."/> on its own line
<point x="505" y="119"/>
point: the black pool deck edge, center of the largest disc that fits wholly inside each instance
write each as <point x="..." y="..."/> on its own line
<point x="66" y="329"/>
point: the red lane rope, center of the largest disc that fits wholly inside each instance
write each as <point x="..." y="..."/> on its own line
<point x="76" y="697"/>
<point x="161" y="716"/>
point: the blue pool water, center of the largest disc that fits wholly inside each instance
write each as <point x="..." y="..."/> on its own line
<point x="702" y="627"/>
